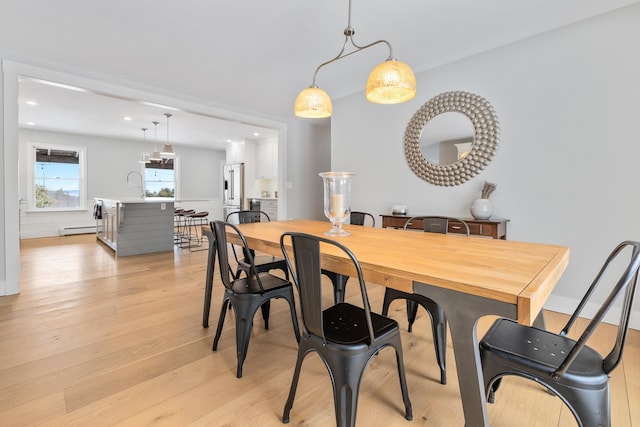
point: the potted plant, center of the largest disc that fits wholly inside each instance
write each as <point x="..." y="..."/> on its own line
<point x="482" y="208"/>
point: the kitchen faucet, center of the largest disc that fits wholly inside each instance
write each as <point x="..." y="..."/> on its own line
<point x="137" y="185"/>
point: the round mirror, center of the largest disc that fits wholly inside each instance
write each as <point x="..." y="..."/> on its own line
<point x="476" y="147"/>
<point x="446" y="138"/>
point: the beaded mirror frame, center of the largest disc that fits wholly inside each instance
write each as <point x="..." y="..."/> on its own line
<point x="485" y="141"/>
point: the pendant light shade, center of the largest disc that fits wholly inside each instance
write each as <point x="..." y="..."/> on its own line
<point x="167" y="148"/>
<point x="144" y="157"/>
<point x="313" y="103"/>
<point x="156" y="154"/>
<point x="391" y="82"/>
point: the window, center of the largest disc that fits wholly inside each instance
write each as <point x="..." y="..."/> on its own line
<point x="58" y="177"/>
<point x="160" y="178"/>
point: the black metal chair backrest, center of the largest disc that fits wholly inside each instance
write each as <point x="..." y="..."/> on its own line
<point x="437" y="224"/>
<point x="307" y="277"/>
<point x="625" y="285"/>
<point x="247" y="217"/>
<point x="220" y="234"/>
<point x="359" y="218"/>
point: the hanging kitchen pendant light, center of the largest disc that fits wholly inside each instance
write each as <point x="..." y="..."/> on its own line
<point x="156" y="154"/>
<point x="391" y="82"/>
<point x="167" y="149"/>
<point x="144" y="157"/>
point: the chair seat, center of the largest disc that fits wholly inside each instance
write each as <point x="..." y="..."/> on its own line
<point x="250" y="285"/>
<point x="345" y="323"/>
<point x="536" y="350"/>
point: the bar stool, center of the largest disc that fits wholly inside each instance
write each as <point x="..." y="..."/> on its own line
<point x="177" y="215"/>
<point x="180" y="222"/>
<point x="194" y="238"/>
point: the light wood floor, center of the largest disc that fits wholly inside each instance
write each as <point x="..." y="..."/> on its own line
<point x="95" y="341"/>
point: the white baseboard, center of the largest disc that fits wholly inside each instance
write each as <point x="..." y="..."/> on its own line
<point x="81" y="229"/>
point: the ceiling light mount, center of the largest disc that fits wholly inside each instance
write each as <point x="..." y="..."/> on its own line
<point x="391" y="82"/>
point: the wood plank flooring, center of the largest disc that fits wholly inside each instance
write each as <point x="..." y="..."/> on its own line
<point x="98" y="341"/>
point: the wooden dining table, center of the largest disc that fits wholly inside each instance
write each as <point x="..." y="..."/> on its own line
<point x="468" y="277"/>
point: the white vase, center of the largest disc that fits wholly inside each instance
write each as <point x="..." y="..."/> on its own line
<point x="481" y="208"/>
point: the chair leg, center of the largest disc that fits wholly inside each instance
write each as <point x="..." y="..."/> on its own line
<point x="412" y="311"/>
<point x="286" y="273"/>
<point x="302" y="352"/>
<point x="208" y="287"/>
<point x="439" y="331"/>
<point x="591" y="408"/>
<point x="339" y="282"/>
<point x="244" y="321"/>
<point x="265" y="307"/>
<point x="346" y="385"/>
<point x="223" y="313"/>
<point x="491" y="398"/>
<point x="388" y="298"/>
<point x="403" y="381"/>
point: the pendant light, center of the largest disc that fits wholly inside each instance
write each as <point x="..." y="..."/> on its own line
<point x="391" y="82"/>
<point x="167" y="149"/>
<point x="144" y="157"/>
<point x="155" y="155"/>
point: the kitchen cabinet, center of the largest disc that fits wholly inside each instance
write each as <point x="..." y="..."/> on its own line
<point x="236" y="153"/>
<point x="270" y="207"/>
<point x="135" y="226"/>
<point x="267" y="158"/>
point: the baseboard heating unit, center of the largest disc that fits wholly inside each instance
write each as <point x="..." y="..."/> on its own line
<point x="82" y="229"/>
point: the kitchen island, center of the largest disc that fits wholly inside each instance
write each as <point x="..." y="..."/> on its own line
<point x="135" y="226"/>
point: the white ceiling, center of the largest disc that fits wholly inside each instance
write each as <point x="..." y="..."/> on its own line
<point x="252" y="56"/>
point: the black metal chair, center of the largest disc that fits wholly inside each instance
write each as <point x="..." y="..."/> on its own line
<point x="569" y="368"/>
<point x="431" y="224"/>
<point x="208" y="283"/>
<point x="339" y="281"/>
<point x="247" y="294"/>
<point x="263" y="262"/>
<point x="360" y="218"/>
<point x="345" y="336"/>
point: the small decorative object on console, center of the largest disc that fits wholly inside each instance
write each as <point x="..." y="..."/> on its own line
<point x="482" y="208"/>
<point x="399" y="210"/>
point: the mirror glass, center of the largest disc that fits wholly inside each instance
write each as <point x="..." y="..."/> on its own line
<point x="447" y="138"/>
<point x="463" y="121"/>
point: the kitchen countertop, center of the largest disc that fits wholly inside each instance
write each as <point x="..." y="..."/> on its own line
<point x="135" y="200"/>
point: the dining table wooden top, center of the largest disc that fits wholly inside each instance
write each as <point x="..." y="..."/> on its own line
<point x="522" y="274"/>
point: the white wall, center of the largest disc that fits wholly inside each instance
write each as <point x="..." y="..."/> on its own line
<point x="308" y="153"/>
<point x="566" y="169"/>
<point x="108" y="162"/>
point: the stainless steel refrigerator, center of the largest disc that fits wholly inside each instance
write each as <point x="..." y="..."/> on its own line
<point x="233" y="192"/>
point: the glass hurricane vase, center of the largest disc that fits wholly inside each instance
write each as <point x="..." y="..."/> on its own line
<point x="337" y="200"/>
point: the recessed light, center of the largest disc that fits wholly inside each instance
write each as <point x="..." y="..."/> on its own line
<point x="256" y="134"/>
<point x="32" y="103"/>
<point x="31" y="124"/>
<point x="127" y="118"/>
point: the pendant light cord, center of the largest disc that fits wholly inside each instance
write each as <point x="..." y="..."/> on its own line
<point x="348" y="37"/>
